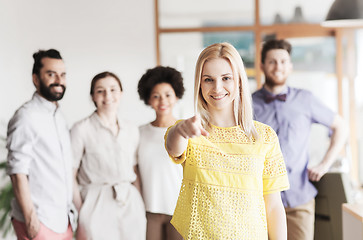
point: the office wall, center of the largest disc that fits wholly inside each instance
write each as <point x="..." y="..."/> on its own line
<point x="92" y="36"/>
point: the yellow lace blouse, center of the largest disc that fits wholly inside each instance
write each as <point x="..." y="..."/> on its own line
<point x="225" y="176"/>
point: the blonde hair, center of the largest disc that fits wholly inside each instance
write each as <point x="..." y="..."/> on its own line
<point x="243" y="111"/>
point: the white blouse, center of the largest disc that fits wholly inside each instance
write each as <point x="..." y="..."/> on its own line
<point x="102" y="157"/>
<point x="112" y="207"/>
<point x="161" y="178"/>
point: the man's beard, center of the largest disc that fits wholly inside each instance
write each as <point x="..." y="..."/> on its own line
<point x="272" y="83"/>
<point x="47" y="93"/>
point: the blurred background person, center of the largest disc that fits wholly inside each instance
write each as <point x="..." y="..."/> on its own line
<point x="105" y="147"/>
<point x="291" y="112"/>
<point x="160" y="88"/>
<point x="40" y="156"/>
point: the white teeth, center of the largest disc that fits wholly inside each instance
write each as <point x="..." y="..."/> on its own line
<point x="218" y="97"/>
<point x="58" y="89"/>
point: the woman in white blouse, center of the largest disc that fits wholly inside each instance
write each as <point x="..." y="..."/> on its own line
<point x="105" y="148"/>
<point x="160" y="88"/>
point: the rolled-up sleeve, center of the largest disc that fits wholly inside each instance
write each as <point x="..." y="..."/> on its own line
<point x="20" y="139"/>
<point x="320" y="113"/>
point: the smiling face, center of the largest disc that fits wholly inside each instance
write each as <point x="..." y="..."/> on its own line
<point x="218" y="85"/>
<point x="276" y="67"/>
<point x="107" y="94"/>
<point x="51" y="81"/>
<point x="162" y="99"/>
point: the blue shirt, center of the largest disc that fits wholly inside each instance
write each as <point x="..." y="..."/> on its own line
<point x="292" y="120"/>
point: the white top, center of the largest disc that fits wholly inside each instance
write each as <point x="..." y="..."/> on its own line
<point x="102" y="157"/>
<point x="161" y="178"/>
<point x="38" y="145"/>
<point x="112" y="206"/>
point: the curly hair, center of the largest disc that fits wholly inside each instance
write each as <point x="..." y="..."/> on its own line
<point x="158" y="75"/>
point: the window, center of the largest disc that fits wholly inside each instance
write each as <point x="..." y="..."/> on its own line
<point x="184" y="28"/>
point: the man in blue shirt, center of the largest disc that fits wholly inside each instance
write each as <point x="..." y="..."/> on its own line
<point x="291" y="112"/>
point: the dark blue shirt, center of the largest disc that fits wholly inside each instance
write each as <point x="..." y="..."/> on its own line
<point x="292" y="120"/>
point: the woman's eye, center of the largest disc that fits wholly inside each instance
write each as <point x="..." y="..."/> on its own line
<point x="226" y="78"/>
<point x="208" y="80"/>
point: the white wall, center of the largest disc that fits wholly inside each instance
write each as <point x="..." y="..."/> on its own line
<point x="92" y="36"/>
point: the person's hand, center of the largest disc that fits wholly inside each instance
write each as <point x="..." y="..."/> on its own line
<point x="315" y="173"/>
<point x="33" y="226"/>
<point x="191" y="127"/>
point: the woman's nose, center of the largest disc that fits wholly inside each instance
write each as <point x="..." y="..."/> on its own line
<point x="217" y="85"/>
<point x="107" y="94"/>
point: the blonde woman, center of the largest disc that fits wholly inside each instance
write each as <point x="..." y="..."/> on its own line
<point x="233" y="166"/>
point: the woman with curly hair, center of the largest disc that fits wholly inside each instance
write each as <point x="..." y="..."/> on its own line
<point x="160" y="88"/>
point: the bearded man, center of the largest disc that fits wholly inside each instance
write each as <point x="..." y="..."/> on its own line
<point x="39" y="156"/>
<point x="291" y="112"/>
